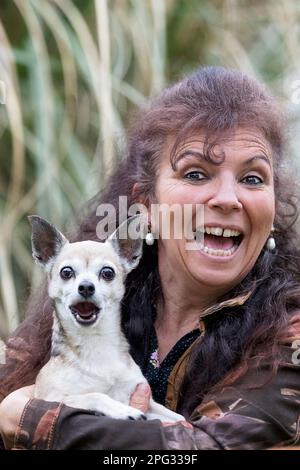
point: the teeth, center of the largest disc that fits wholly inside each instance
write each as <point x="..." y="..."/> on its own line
<point x="231" y="233"/>
<point x="218" y="231"/>
<point x="213" y="252"/>
<point x="93" y="317"/>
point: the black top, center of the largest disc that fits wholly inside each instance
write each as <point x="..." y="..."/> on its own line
<point x="157" y="374"/>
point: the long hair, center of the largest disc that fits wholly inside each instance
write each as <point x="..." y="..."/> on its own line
<point x="217" y="101"/>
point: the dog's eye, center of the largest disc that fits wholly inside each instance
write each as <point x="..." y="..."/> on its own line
<point x="107" y="273"/>
<point x="66" y="273"/>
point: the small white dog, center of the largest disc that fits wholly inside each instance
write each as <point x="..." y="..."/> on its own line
<point x="90" y="365"/>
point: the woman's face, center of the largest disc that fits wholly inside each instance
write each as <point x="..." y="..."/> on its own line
<point x="237" y="195"/>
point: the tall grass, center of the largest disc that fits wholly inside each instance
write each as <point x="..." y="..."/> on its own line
<point x="74" y="69"/>
<point x="70" y="80"/>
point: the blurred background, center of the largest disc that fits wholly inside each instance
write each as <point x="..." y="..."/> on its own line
<point x="72" y="71"/>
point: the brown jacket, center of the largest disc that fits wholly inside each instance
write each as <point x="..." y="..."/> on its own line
<point x="255" y="412"/>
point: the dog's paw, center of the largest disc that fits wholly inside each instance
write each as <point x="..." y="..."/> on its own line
<point x="128" y="413"/>
<point x="102" y="404"/>
<point x="133" y="415"/>
<point x="140" y="417"/>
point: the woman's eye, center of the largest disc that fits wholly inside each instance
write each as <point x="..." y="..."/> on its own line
<point x="67" y="272"/>
<point x="195" y="176"/>
<point x="253" y="180"/>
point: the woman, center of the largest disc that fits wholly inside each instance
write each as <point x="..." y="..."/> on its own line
<point x="215" y="329"/>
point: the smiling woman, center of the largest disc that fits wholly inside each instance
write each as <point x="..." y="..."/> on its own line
<point x="214" y="328"/>
<point x="236" y="189"/>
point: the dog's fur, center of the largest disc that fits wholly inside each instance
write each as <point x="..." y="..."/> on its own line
<point x="90" y="365"/>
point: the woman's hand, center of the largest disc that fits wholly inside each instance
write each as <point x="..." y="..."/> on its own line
<point x="141" y="397"/>
<point x="11" y="409"/>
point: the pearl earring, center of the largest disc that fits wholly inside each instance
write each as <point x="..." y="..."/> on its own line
<point x="271" y="244"/>
<point x="149" y="238"/>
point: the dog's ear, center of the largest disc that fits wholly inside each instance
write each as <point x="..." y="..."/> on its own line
<point x="46" y="240"/>
<point x="127" y="240"/>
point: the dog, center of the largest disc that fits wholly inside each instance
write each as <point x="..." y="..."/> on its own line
<point x="90" y="366"/>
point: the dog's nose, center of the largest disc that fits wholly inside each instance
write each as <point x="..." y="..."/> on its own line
<point x="86" y="289"/>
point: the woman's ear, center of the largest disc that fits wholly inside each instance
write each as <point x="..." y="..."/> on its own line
<point x="152" y="215"/>
<point x="139" y="197"/>
<point x="137" y="193"/>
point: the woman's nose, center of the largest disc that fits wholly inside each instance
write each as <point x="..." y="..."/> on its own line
<point x="225" y="197"/>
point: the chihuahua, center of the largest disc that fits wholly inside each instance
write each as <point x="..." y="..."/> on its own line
<point x="90" y="365"/>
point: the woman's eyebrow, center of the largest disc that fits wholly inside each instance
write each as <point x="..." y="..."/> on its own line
<point x="187" y="153"/>
<point x="200" y="156"/>
<point x="258" y="157"/>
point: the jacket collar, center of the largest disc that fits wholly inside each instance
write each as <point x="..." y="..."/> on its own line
<point x="177" y="374"/>
<point x="233" y="302"/>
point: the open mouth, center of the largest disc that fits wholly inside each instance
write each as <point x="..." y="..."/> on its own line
<point x="85" y="313"/>
<point x="216" y="241"/>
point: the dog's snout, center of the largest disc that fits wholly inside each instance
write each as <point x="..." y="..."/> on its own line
<point x="86" y="289"/>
